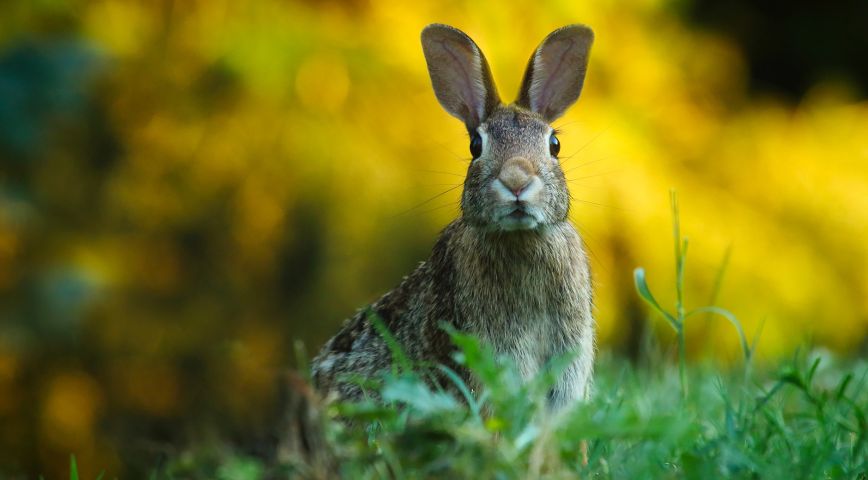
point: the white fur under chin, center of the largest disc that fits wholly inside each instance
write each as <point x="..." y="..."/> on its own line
<point x="511" y="224"/>
<point x="531" y="219"/>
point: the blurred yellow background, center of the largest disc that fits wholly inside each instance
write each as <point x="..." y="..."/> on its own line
<point x="188" y="187"/>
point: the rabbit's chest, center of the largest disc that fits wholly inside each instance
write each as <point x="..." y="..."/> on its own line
<point x="527" y="318"/>
<point x="528" y="300"/>
<point x="527" y="342"/>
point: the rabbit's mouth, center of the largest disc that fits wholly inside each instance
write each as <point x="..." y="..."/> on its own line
<point x="518" y="214"/>
<point x="518" y="218"/>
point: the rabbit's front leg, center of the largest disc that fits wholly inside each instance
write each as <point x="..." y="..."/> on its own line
<point x="575" y="383"/>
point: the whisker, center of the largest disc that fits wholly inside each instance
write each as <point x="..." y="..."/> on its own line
<point x="571" y="180"/>
<point x="587" y="241"/>
<point x="585" y="187"/>
<point x="592" y="140"/>
<point x="585" y="164"/>
<point x="427" y="201"/>
<point x="599" y="204"/>
<point x="450" y="204"/>
<point x="441" y="173"/>
<point x="444" y="146"/>
<point x="560" y="127"/>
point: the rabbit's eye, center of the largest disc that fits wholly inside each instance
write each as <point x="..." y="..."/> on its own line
<point x="475" y="145"/>
<point x="554" y="145"/>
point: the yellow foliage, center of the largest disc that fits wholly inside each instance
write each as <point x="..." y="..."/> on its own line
<point x="287" y="162"/>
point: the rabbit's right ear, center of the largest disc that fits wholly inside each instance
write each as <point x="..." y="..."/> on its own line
<point x="556" y="72"/>
<point x="459" y="74"/>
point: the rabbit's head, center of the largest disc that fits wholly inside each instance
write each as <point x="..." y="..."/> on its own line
<point x="514" y="181"/>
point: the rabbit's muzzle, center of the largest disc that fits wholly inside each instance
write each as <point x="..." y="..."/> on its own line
<point x="517" y="191"/>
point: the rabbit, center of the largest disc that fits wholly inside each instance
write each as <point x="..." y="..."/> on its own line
<point x="511" y="269"/>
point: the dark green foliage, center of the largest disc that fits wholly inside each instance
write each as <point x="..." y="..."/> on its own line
<point x="804" y="420"/>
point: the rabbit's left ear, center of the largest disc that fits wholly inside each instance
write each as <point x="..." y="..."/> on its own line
<point x="556" y="72"/>
<point x="459" y="74"/>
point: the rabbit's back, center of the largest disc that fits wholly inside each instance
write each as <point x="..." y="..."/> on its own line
<point x="413" y="313"/>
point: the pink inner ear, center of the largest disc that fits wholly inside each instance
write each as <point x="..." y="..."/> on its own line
<point x="470" y="90"/>
<point x="550" y="73"/>
<point x="557" y="72"/>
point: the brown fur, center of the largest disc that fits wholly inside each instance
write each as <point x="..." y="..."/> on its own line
<point x="521" y="286"/>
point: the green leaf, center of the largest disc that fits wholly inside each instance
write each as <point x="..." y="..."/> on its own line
<point x="462" y="387"/>
<point x="366" y="411"/>
<point x="718" y="277"/>
<point x="478" y="358"/>
<point x="645" y="293"/>
<point x="401" y="358"/>
<point x="527" y="436"/>
<point x="417" y="395"/>
<point x="73" y="468"/>
<point x="813" y="370"/>
<point x="553" y="370"/>
<point x="240" y="468"/>
<point x="842" y="387"/>
<point x="745" y="347"/>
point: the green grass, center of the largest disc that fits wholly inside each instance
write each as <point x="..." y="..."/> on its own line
<point x="804" y="419"/>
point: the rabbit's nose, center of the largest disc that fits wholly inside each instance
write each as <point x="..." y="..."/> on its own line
<point x="516" y="174"/>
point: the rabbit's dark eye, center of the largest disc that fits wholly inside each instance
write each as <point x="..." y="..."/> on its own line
<point x="476" y="145"/>
<point x="554" y="145"/>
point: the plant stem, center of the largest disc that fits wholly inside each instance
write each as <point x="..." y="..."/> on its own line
<point x="682" y="366"/>
<point x="680" y="253"/>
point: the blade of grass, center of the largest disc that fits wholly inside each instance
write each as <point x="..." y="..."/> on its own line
<point x="465" y="392"/>
<point x="401" y="359"/>
<point x="680" y="252"/>
<point x="718" y="278"/>
<point x="645" y="294"/>
<point x="73" y="468"/>
<point x="711" y="310"/>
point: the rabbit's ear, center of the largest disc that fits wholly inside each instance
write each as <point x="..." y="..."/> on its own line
<point x="459" y="74"/>
<point x="556" y="72"/>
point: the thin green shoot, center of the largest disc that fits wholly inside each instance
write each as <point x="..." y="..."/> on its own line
<point x="678" y="318"/>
